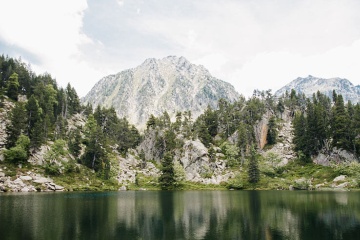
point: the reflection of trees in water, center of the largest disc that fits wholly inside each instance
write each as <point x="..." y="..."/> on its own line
<point x="182" y="215"/>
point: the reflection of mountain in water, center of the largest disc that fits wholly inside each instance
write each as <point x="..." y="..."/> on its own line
<point x="182" y="215"/>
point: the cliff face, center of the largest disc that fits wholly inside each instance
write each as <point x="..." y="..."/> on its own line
<point x="170" y="84"/>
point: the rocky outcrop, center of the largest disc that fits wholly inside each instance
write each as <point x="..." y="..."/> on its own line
<point x="4" y="120"/>
<point x="199" y="168"/>
<point x="283" y="149"/>
<point x="131" y="166"/>
<point x="261" y="130"/>
<point x="27" y="183"/>
<point x="336" y="156"/>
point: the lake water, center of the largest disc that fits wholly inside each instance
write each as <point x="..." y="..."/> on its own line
<point x="181" y="215"/>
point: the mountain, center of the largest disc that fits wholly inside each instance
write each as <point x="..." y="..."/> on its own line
<point x="311" y="84"/>
<point x="170" y="84"/>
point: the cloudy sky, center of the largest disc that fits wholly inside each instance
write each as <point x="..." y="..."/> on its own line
<point x="260" y="44"/>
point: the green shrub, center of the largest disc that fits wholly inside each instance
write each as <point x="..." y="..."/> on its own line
<point x="16" y="154"/>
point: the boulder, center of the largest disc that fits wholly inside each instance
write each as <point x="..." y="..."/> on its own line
<point x="122" y="188"/>
<point x="25" y="189"/>
<point x="59" y="188"/>
<point x="42" y="180"/>
<point x="19" y="182"/>
<point x="339" y="178"/>
<point x="25" y="178"/>
<point x="2" y="174"/>
<point x="342" y="185"/>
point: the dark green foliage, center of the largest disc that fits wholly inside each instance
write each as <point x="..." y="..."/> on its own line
<point x="207" y="126"/>
<point x="17" y="124"/>
<point x="280" y="107"/>
<point x="300" y="128"/>
<point x="13" y="87"/>
<point x="37" y="134"/>
<point x="75" y="143"/>
<point x="341" y="123"/>
<point x="95" y="152"/>
<point x="272" y="133"/>
<point x="167" y="179"/>
<point x="253" y="168"/>
<point x="20" y="152"/>
<point x="151" y="123"/>
<point x="322" y="126"/>
<point x="33" y="113"/>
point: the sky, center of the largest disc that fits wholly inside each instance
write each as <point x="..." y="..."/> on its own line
<point x="252" y="44"/>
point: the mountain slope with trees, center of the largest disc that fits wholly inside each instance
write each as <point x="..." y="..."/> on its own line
<point x="263" y="142"/>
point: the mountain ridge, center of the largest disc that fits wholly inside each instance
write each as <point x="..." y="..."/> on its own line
<point x="311" y="84"/>
<point x="170" y="84"/>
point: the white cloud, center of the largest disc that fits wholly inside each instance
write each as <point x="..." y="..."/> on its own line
<point x="273" y="70"/>
<point x="52" y="31"/>
<point x="253" y="44"/>
<point x="120" y="2"/>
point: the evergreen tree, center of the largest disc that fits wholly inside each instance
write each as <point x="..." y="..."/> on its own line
<point x="355" y="126"/>
<point x="151" y="123"/>
<point x="95" y="152"/>
<point x="280" y="107"/>
<point x="20" y="152"/>
<point x="75" y="143"/>
<point x="167" y="179"/>
<point x="300" y="129"/>
<point x="33" y="113"/>
<point x="340" y="125"/>
<point x="13" y="87"/>
<point x="272" y="133"/>
<point x="17" y="124"/>
<point x="253" y="168"/>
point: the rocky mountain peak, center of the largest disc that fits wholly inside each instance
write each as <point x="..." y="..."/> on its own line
<point x="311" y="84"/>
<point x="170" y="84"/>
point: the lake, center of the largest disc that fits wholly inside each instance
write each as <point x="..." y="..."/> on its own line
<point x="181" y="215"/>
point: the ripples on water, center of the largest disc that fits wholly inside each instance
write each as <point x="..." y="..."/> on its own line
<point x="181" y="215"/>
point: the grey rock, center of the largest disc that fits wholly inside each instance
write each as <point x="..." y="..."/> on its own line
<point x="122" y="188"/>
<point x="339" y="178"/>
<point x="170" y="84"/>
<point x="342" y="185"/>
<point x="311" y="84"/>
<point x="42" y="180"/>
<point x="2" y="174"/>
<point x="59" y="188"/>
<point x="25" y="178"/>
<point x="25" y="189"/>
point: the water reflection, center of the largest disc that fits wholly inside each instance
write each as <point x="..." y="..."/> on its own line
<point x="181" y="215"/>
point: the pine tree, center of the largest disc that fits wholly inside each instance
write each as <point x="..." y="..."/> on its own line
<point x="340" y="124"/>
<point x="271" y="136"/>
<point x="75" y="143"/>
<point x="13" y="87"/>
<point x="253" y="168"/>
<point x="167" y="179"/>
<point x="95" y="152"/>
<point x="17" y="124"/>
<point x="151" y="123"/>
<point x="300" y="129"/>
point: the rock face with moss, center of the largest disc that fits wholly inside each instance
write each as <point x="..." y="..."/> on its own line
<point x="170" y="84"/>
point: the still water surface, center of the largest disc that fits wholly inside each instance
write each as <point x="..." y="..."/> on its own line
<point x="181" y="215"/>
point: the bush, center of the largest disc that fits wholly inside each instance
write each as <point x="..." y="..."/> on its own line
<point x="236" y="183"/>
<point x="16" y="154"/>
<point x="52" y="169"/>
<point x="19" y="153"/>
